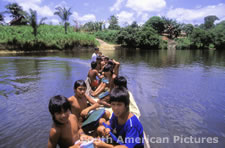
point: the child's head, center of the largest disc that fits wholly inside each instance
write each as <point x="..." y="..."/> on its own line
<point x="93" y="65"/>
<point x="60" y="108"/>
<point x="96" y="49"/>
<point x="120" y="95"/>
<point x="80" y="87"/>
<point x="120" y="82"/>
<point x="99" y="59"/>
<point x="108" y="68"/>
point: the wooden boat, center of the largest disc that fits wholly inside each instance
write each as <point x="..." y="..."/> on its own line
<point x="133" y="108"/>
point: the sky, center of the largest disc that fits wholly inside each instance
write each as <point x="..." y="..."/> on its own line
<point x="127" y="11"/>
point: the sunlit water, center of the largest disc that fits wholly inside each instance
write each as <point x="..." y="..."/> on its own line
<point x="179" y="93"/>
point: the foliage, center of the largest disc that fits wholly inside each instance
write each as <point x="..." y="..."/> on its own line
<point x="48" y="37"/>
<point x="156" y="23"/>
<point x="1" y="18"/>
<point x="107" y="35"/>
<point x="93" y="26"/>
<point x="188" y="29"/>
<point x="172" y="27"/>
<point x="16" y="12"/>
<point x="209" y="21"/>
<point x="64" y="15"/>
<point x="183" y="43"/>
<point x="201" y="39"/>
<point x="113" y="23"/>
<point x="32" y="18"/>
<point x="219" y="35"/>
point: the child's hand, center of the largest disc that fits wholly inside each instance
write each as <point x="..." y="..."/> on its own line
<point x="84" y="112"/>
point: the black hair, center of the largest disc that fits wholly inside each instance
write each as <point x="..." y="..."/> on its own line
<point x="93" y="64"/>
<point x="79" y="83"/>
<point x="108" y="68"/>
<point x="56" y="104"/>
<point x="99" y="58"/>
<point x="120" y="81"/>
<point x="120" y="95"/>
<point x="96" y="48"/>
<point x="106" y="58"/>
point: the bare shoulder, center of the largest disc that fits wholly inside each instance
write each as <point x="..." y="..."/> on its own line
<point x="71" y="99"/>
<point x="54" y="132"/>
<point x="73" y="119"/>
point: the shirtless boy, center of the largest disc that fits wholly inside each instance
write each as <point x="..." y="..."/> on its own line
<point x="65" y="130"/>
<point x="92" y="74"/>
<point x="79" y="105"/>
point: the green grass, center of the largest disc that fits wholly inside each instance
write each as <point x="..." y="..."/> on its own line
<point x="49" y="37"/>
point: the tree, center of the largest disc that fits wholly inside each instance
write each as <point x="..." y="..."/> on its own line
<point x="147" y="38"/>
<point x="201" y="38"/>
<point x="17" y="13"/>
<point x="188" y="29"/>
<point x="113" y="23"/>
<point x="209" y="21"/>
<point x="219" y="35"/>
<point x="64" y="15"/>
<point x="156" y="23"/>
<point x="171" y="27"/>
<point x="32" y="17"/>
<point x="1" y="18"/>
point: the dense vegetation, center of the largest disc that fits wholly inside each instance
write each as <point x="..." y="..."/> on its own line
<point x="26" y="33"/>
<point x="48" y="37"/>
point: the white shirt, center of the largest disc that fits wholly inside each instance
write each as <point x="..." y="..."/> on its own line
<point x="94" y="56"/>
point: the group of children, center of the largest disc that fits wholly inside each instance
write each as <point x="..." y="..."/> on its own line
<point x="68" y="114"/>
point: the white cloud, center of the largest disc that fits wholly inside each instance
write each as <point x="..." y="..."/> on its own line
<point x="43" y="11"/>
<point x="146" y="5"/>
<point x="54" y="21"/>
<point x="117" y="5"/>
<point x="125" y="17"/>
<point x="196" y="15"/>
<point x="84" y="18"/>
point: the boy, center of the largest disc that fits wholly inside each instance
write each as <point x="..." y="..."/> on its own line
<point x="65" y="130"/>
<point x="95" y="54"/>
<point x="123" y="124"/>
<point x="92" y="74"/>
<point x="79" y="105"/>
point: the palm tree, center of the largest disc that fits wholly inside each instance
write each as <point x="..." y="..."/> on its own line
<point x="17" y="13"/>
<point x="32" y="18"/>
<point x="1" y="18"/>
<point x="64" y="15"/>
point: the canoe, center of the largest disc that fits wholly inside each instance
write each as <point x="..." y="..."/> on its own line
<point x="133" y="108"/>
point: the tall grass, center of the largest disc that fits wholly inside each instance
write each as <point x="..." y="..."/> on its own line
<point x="48" y="37"/>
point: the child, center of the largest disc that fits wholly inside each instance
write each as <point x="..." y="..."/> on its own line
<point x="65" y="130"/>
<point x="79" y="105"/>
<point x="123" y="124"/>
<point x="92" y="74"/>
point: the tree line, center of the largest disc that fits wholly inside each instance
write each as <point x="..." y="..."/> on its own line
<point x="147" y="36"/>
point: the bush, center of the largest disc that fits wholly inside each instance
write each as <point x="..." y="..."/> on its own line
<point x="107" y="35"/>
<point x="49" y="37"/>
<point x="183" y="43"/>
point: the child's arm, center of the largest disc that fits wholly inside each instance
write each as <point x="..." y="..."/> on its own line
<point x="100" y="89"/>
<point x="116" y="67"/>
<point x="85" y="112"/>
<point x="53" y="138"/>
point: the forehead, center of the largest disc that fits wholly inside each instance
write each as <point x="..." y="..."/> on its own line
<point x="81" y="87"/>
<point x="117" y="103"/>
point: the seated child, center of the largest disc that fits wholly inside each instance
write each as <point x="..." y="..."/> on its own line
<point x="65" y="130"/>
<point x="123" y="124"/>
<point x="92" y="74"/>
<point x="79" y="102"/>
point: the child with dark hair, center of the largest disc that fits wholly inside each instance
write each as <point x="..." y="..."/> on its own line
<point x="123" y="124"/>
<point x="122" y="82"/>
<point x="92" y="74"/>
<point x="79" y="102"/>
<point x="65" y="130"/>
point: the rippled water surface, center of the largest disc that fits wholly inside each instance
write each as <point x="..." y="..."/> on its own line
<point x="179" y="93"/>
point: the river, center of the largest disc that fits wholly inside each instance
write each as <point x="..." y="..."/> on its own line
<point x="181" y="94"/>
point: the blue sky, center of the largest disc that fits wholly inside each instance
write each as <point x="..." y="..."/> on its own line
<point x="127" y="11"/>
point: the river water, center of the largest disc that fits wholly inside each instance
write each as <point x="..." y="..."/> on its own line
<point x="181" y="94"/>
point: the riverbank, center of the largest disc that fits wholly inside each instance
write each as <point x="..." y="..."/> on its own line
<point x="21" y="38"/>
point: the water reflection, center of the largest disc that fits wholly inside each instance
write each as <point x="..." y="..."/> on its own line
<point x="178" y="92"/>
